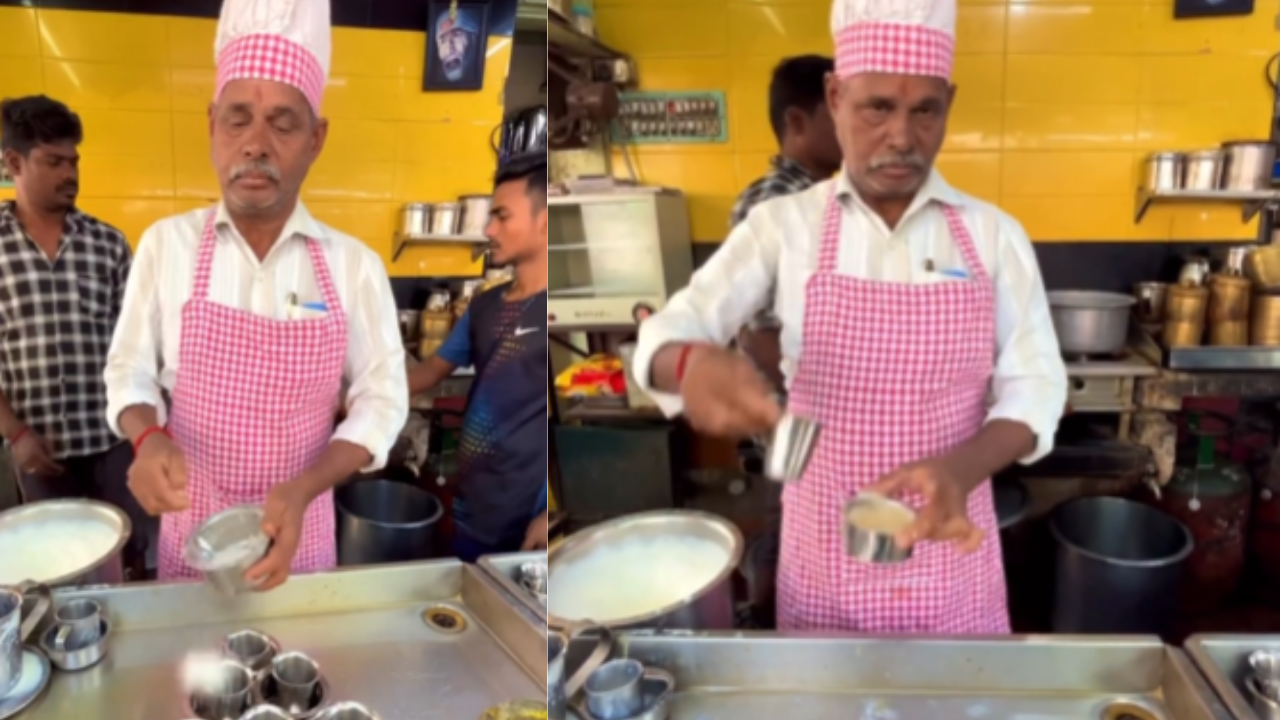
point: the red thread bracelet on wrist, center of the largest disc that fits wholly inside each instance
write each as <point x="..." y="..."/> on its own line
<point x="682" y="361"/>
<point x="137" y="444"/>
<point x="22" y="431"/>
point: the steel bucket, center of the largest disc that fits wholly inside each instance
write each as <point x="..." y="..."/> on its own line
<point x="383" y="521"/>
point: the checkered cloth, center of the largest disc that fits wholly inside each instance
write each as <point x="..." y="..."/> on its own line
<point x="271" y="57"/>
<point x="57" y="321"/>
<point x="894" y="48"/>
<point x="784" y="178"/>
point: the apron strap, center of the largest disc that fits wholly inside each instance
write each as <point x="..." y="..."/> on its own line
<point x="829" y="242"/>
<point x="204" y="256"/>
<point x="328" y="291"/>
<point x="964" y="240"/>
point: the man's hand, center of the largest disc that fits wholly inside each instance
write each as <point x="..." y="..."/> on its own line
<point x="725" y="396"/>
<point x="282" y="515"/>
<point x="158" y="476"/>
<point x="944" y="516"/>
<point x="535" y="538"/>
<point x="34" y="456"/>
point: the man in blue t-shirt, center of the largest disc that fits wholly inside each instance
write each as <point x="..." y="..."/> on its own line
<point x="501" y="504"/>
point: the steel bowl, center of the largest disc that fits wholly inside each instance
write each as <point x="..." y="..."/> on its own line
<point x="711" y="608"/>
<point x="231" y="527"/>
<point x="874" y="545"/>
<point x="106" y="569"/>
<point x="1089" y="322"/>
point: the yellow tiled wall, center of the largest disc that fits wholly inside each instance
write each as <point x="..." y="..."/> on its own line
<point x="1058" y="101"/>
<point x="142" y="84"/>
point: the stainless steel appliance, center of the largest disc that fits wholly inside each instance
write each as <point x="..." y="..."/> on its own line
<point x="615" y="257"/>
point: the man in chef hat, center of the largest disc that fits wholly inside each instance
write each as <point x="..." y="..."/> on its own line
<point x="243" y="323"/>
<point x="902" y="302"/>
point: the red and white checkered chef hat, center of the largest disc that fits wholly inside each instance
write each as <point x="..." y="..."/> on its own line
<point x="283" y="40"/>
<point x="900" y="37"/>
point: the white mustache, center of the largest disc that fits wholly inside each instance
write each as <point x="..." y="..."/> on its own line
<point x="256" y="167"/>
<point x="912" y="161"/>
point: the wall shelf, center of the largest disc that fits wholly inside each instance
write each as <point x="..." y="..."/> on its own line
<point x="479" y="243"/>
<point x="1252" y="202"/>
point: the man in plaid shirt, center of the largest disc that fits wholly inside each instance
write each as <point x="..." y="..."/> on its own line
<point x="62" y="277"/>
<point x="807" y="153"/>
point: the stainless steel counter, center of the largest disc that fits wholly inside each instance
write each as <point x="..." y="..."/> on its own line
<point x="750" y="676"/>
<point x="363" y="626"/>
<point x="1223" y="659"/>
<point x="505" y="570"/>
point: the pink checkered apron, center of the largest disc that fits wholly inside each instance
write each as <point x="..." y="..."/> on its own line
<point x="253" y="406"/>
<point x="896" y="373"/>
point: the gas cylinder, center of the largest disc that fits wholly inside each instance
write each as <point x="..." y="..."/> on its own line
<point x="1210" y="495"/>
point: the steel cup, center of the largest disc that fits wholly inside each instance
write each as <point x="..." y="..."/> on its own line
<point x="347" y="711"/>
<point x="788" y="452"/>
<point x="228" y="695"/>
<point x="10" y="640"/>
<point x="614" y="690"/>
<point x="266" y="712"/>
<point x="870" y="522"/>
<point x="79" y="624"/>
<point x="295" y="676"/>
<point x="226" y="545"/>
<point x="14" y="629"/>
<point x="250" y="647"/>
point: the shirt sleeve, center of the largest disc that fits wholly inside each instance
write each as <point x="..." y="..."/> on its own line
<point x="721" y="297"/>
<point x="1029" y="382"/>
<point x="377" y="398"/>
<point x="456" y="349"/>
<point x="132" y="373"/>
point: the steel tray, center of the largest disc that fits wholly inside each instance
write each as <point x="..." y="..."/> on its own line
<point x="505" y="569"/>
<point x="364" y="626"/>
<point x="758" y="676"/>
<point x="1223" y="660"/>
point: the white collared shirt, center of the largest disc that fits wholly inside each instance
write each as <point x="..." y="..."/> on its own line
<point x="776" y="247"/>
<point x="144" y="351"/>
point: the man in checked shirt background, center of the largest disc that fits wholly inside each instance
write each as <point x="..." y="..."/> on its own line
<point x="807" y="153"/>
<point x="62" y="278"/>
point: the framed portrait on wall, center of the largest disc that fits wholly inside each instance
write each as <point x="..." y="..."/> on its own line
<point x="457" y="36"/>
<point x="1211" y="8"/>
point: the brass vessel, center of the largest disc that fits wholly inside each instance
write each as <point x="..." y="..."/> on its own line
<point x="1264" y="326"/>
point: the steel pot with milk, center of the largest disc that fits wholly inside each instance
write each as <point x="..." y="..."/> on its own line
<point x="64" y="543"/>
<point x="669" y="569"/>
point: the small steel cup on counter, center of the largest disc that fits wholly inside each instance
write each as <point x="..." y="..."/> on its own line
<point x="228" y="696"/>
<point x="614" y="690"/>
<point x="255" y="649"/>
<point x="295" y="678"/>
<point x="79" y="624"/>
<point x="1263" y="703"/>
<point x="787" y="453"/>
<point x="870" y="523"/>
<point x="266" y="712"/>
<point x="226" y="545"/>
<point x="347" y="711"/>
<point x="534" y="578"/>
<point x="81" y="652"/>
